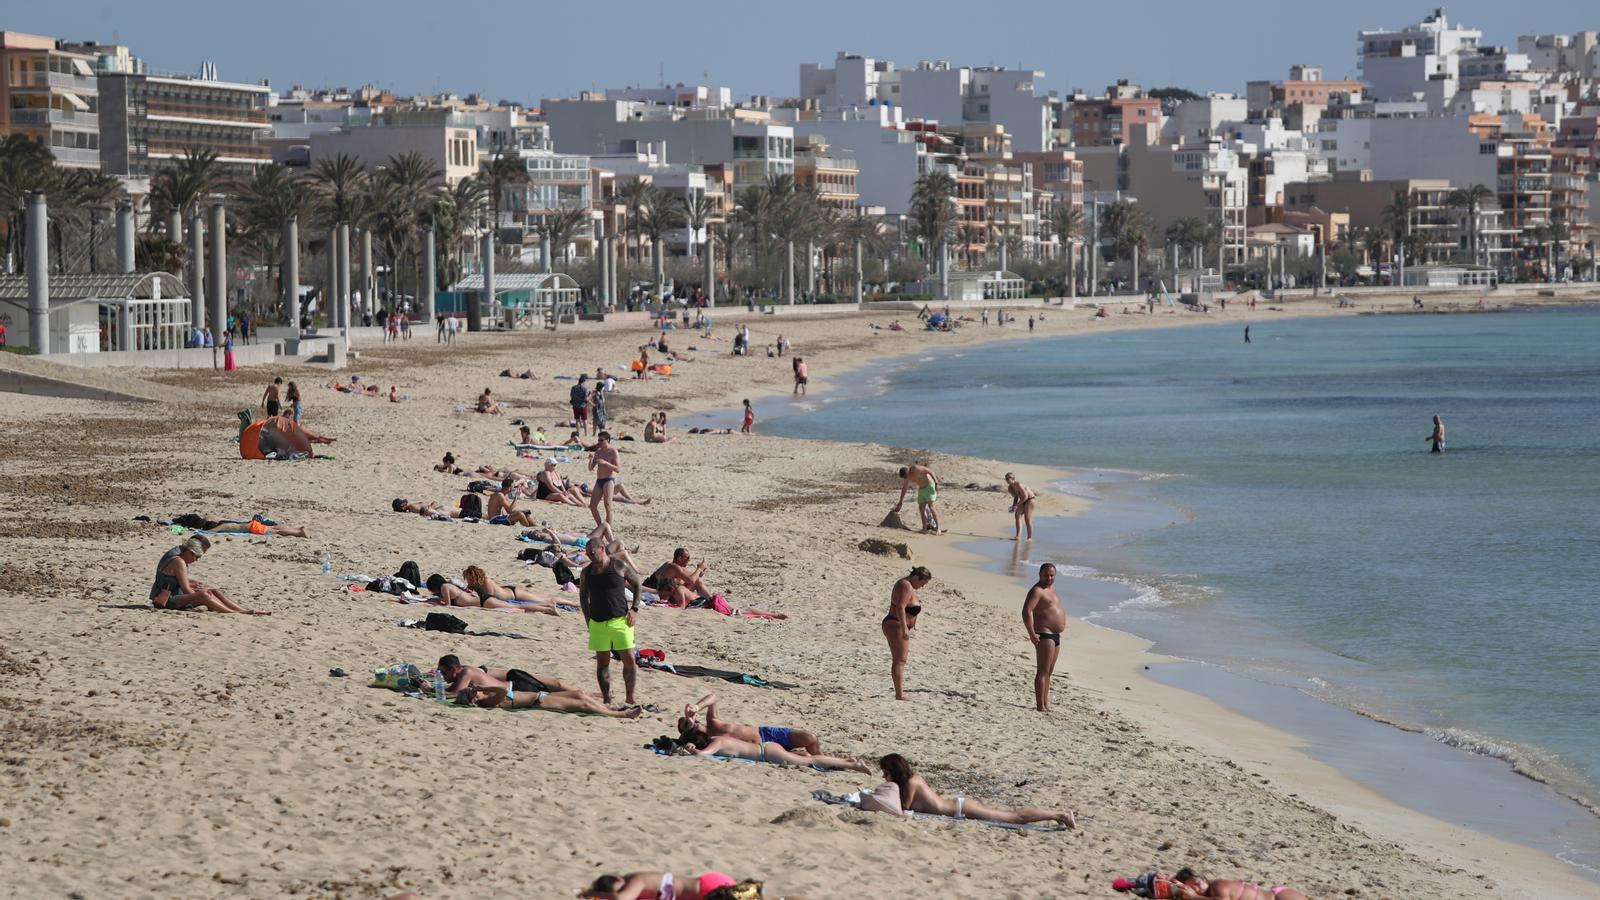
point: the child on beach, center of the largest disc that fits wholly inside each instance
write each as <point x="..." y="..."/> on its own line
<point x="749" y="418"/>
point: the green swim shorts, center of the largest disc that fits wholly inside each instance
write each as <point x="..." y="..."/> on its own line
<point x="612" y="634"/>
<point x="927" y="493"/>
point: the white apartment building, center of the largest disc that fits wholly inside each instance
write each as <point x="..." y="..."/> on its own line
<point x="451" y="145"/>
<point x="1562" y="55"/>
<point x="936" y="91"/>
<point x="888" y="158"/>
<point x="1207" y="181"/>
<point x="1421" y="61"/>
<point x="686" y="96"/>
<point x="749" y="142"/>
<point x="1201" y="120"/>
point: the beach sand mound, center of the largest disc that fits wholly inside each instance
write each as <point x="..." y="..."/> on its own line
<point x="884" y="548"/>
<point x="893" y="520"/>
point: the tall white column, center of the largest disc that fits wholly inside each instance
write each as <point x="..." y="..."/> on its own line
<point x="330" y="306"/>
<point x="710" y="250"/>
<point x="475" y="310"/>
<point x="860" y="276"/>
<point x="429" y="276"/>
<point x="218" y="283"/>
<point x="38" y="273"/>
<point x="369" y="279"/>
<point x="291" y="272"/>
<point x="197" y="271"/>
<point x="788" y="273"/>
<point x="342" y="296"/>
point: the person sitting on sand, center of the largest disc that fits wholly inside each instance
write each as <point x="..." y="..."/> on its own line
<point x="503" y="506"/>
<point x="705" y="744"/>
<point x="796" y="739"/>
<point x="280" y="437"/>
<point x="516" y="689"/>
<point x="655" y="430"/>
<point x="551" y="488"/>
<point x="917" y="796"/>
<point x="1187" y="885"/>
<point x="449" y="466"/>
<point x="394" y="394"/>
<point x="487" y="404"/>
<point x="483" y="592"/>
<point x="656" y="885"/>
<point x="174" y="589"/>
<point x="1021" y="505"/>
<point x="525" y="374"/>
<point x="677" y="584"/>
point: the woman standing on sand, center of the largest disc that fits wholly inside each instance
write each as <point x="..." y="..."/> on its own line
<point x="1021" y="505"/>
<point x="904" y="608"/>
<point x="291" y="399"/>
<point x="228" y="365"/>
<point x="749" y="418"/>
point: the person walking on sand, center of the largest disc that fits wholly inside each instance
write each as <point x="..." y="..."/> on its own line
<point x="749" y="419"/>
<point x="606" y="463"/>
<point x="904" y="608"/>
<point x="1044" y="619"/>
<point x="1437" y="437"/>
<point x="927" y="494"/>
<point x="602" y="595"/>
<point x="270" y="398"/>
<point x="1021" y="505"/>
<point x="579" y="396"/>
<point x="802" y="374"/>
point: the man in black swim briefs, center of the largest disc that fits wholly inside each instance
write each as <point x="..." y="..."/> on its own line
<point x="516" y="689"/>
<point x="1044" y="619"/>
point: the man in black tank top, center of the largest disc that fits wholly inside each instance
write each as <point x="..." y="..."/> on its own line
<point x="602" y="594"/>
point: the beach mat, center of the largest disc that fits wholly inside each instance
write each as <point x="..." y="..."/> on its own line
<point x="725" y="674"/>
<point x="836" y="800"/>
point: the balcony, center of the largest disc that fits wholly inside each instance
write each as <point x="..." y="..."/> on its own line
<point x="41" y="118"/>
<point x="80" y="84"/>
<point x="72" y="156"/>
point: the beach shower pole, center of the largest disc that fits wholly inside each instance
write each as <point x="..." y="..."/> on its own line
<point x="125" y="255"/>
<point x="291" y="272"/>
<point x="219" y="271"/>
<point x="429" y="304"/>
<point x="38" y="273"/>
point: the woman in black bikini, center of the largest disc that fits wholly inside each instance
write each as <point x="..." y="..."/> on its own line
<point x="903" y="611"/>
<point x="1021" y="505"/>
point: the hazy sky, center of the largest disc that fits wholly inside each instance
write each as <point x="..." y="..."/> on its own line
<point x="526" y="50"/>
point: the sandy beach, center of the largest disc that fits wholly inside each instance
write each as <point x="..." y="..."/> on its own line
<point x="149" y="753"/>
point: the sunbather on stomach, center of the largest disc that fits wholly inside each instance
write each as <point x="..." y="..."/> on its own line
<point x="483" y="592"/>
<point x="656" y="886"/>
<point x="917" y="796"/>
<point x="764" y="751"/>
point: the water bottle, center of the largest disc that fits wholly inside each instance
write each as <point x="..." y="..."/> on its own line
<point x="438" y="686"/>
<point x="327" y="561"/>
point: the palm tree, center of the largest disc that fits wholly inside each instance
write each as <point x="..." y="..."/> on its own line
<point x="1066" y="223"/>
<point x="1397" y="218"/>
<point x="1559" y="234"/>
<point x="933" y="212"/>
<point x="634" y="196"/>
<point x="865" y="231"/>
<point x="1128" y="226"/>
<point x="794" y="219"/>
<point x="26" y="165"/>
<point x="499" y="173"/>
<point x="561" y="227"/>
<point x="697" y="211"/>
<point x="1471" y="199"/>
<point x="182" y="183"/>
<point x="407" y="186"/>
<point x="267" y="201"/>
<point x="339" y="179"/>
<point x="659" y="215"/>
<point x="455" y="214"/>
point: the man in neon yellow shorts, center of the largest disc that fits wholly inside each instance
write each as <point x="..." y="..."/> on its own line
<point x="927" y="492"/>
<point x="603" y="596"/>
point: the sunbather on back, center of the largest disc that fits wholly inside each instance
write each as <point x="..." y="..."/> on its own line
<point x="795" y="739"/>
<point x="656" y="885"/>
<point x="916" y="795"/>
<point x="483" y="592"/>
<point x="516" y="689"/>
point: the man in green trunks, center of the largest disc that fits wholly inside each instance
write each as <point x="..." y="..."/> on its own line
<point x="927" y="492"/>
<point x="603" y="596"/>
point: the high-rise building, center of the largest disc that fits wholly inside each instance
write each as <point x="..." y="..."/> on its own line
<point x="147" y="120"/>
<point x="49" y="92"/>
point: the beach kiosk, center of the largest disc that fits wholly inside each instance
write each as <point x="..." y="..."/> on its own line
<point x="524" y="299"/>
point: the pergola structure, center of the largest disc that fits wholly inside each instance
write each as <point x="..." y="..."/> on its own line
<point x="527" y="299"/>
<point x="141" y="311"/>
<point x="987" y="285"/>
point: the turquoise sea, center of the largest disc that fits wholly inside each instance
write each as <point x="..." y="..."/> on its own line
<point x="1271" y="508"/>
